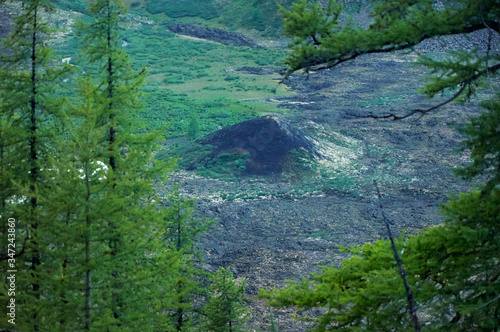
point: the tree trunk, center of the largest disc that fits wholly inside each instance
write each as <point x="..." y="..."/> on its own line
<point x="87" y="247"/>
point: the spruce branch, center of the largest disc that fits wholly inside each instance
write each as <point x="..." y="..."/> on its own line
<point x="4" y="256"/>
<point x="321" y="63"/>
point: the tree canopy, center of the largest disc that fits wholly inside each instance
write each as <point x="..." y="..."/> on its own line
<point x="78" y="180"/>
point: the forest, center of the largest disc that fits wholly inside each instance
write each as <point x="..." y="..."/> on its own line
<point x="250" y="165"/>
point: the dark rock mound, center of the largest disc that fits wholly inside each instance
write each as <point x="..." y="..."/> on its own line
<point x="212" y="34"/>
<point x="266" y="141"/>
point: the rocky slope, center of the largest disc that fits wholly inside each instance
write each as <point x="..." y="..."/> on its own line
<point x="211" y="34"/>
<point x="281" y="233"/>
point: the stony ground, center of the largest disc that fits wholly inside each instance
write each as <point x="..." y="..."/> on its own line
<point x="283" y="228"/>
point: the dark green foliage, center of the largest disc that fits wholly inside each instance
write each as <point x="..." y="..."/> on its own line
<point x="114" y="199"/>
<point x="30" y="130"/>
<point x="260" y="15"/>
<point x="105" y="281"/>
<point x="206" y="9"/>
<point x="181" y="228"/>
<point x="225" y="310"/>
<point x="199" y="158"/>
<point x="94" y="258"/>
<point x="194" y="128"/>
<point x="181" y="231"/>
<point x="458" y="263"/>
<point x="452" y="269"/>
<point x="484" y="144"/>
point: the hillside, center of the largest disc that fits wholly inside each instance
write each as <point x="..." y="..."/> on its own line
<point x="215" y="61"/>
<point x="270" y="230"/>
<point x="258" y="15"/>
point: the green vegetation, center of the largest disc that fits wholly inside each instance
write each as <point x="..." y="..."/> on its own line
<point x="366" y="291"/>
<point x="186" y="76"/>
<point x="262" y="16"/>
<point x="94" y="249"/>
<point x="201" y="8"/>
<point x="181" y="232"/>
<point x="116" y="201"/>
<point x="181" y="80"/>
<point x="30" y="122"/>
<point x="199" y="158"/>
<point x="90" y="245"/>
<point x="194" y="127"/>
<point x="274" y="325"/>
<point x="452" y="269"/>
<point x="225" y="310"/>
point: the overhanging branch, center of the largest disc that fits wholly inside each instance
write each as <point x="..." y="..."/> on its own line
<point x="322" y="64"/>
<point x="463" y="85"/>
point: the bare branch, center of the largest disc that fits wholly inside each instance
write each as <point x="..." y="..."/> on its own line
<point x="399" y="262"/>
<point x="463" y="85"/>
<point x="413" y="112"/>
<point x="344" y="58"/>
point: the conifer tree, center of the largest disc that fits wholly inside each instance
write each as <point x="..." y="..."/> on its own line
<point x="118" y="91"/>
<point x="29" y="115"/>
<point x="7" y="169"/>
<point x="89" y="202"/>
<point x="225" y="310"/>
<point x="194" y="127"/>
<point x="484" y="143"/>
<point x="181" y="232"/>
<point x="96" y="252"/>
<point x="274" y="326"/>
<point x="130" y="257"/>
